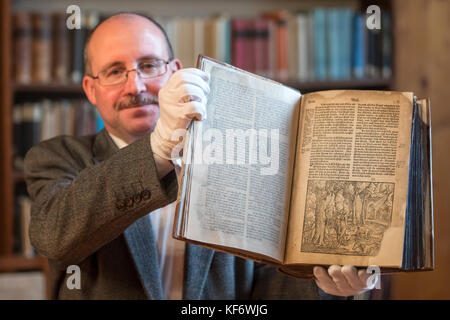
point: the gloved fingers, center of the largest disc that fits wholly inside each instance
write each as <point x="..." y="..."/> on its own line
<point x="194" y="71"/>
<point x="364" y="277"/>
<point x="197" y="78"/>
<point x="324" y="281"/>
<point x="194" y="110"/>
<point x="351" y="274"/>
<point x="190" y="92"/>
<point x="340" y="280"/>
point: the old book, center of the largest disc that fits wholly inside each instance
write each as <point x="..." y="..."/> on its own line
<point x="61" y="48"/>
<point x="22" y="39"/>
<point x="330" y="177"/>
<point x="41" y="47"/>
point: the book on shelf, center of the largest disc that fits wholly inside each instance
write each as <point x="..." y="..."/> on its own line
<point x="329" y="177"/>
<point x="323" y="43"/>
<point x="22" y="39"/>
<point x="41" y="47"/>
<point x="45" y="50"/>
<point x="41" y="120"/>
<point x="60" y="48"/>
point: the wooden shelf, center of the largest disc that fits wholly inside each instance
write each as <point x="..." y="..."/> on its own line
<point x="20" y="263"/>
<point x="50" y="88"/>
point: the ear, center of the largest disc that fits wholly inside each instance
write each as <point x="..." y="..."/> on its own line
<point x="176" y="65"/>
<point x="89" y="89"/>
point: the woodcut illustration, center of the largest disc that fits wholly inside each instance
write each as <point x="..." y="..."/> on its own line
<point x="346" y="217"/>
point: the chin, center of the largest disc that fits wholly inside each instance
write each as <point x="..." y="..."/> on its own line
<point x="142" y="119"/>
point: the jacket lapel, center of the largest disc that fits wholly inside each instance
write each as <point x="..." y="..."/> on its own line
<point x="139" y="236"/>
<point x="197" y="262"/>
<point x="104" y="147"/>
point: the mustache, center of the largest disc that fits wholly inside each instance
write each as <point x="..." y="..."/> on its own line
<point x="141" y="99"/>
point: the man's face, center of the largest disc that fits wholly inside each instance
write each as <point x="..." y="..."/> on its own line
<point x="129" y="110"/>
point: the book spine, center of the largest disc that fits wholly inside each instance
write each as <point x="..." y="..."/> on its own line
<point x="386" y="23"/>
<point x="311" y="46"/>
<point x="211" y="38"/>
<point x="199" y="38"/>
<point x="240" y="47"/>
<point x="293" y="47"/>
<point x="78" y="38"/>
<point x="334" y="37"/>
<point x="347" y="19"/>
<point x="228" y="40"/>
<point x="320" y="44"/>
<point x="61" y="48"/>
<point x="22" y="42"/>
<point x="282" y="56"/>
<point x="359" y="46"/>
<point x="374" y="56"/>
<point x="273" y="52"/>
<point x="303" y="47"/>
<point x="261" y="47"/>
<point x="31" y="126"/>
<point x="42" y="47"/>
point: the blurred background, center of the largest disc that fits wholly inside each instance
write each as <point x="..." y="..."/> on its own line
<point x="309" y="45"/>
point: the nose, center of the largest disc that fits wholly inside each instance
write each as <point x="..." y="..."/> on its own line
<point x="135" y="84"/>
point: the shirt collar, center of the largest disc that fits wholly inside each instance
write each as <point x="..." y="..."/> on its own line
<point x="119" y="142"/>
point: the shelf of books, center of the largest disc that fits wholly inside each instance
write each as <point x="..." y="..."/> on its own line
<point x="316" y="49"/>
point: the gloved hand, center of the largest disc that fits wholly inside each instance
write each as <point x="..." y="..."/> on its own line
<point x="344" y="281"/>
<point x="181" y="100"/>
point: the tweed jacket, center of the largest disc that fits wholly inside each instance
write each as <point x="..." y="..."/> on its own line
<point x="91" y="205"/>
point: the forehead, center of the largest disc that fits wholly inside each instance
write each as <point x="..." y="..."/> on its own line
<point x="126" y="41"/>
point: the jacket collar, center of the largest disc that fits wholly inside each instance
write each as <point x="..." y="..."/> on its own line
<point x="104" y="147"/>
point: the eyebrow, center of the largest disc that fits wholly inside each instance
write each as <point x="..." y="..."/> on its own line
<point x="111" y="64"/>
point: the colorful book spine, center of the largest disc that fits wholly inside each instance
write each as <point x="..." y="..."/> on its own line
<point x="242" y="44"/>
<point x="334" y="38"/>
<point x="386" y="29"/>
<point x="346" y="20"/>
<point x="359" y="46"/>
<point x="320" y="44"/>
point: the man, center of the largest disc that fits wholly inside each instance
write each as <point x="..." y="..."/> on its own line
<point x="93" y="195"/>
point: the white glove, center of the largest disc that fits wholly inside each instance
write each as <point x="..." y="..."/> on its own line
<point x="181" y="99"/>
<point x="344" y="281"/>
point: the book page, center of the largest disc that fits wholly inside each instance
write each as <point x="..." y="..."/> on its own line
<point x="350" y="189"/>
<point x="242" y="162"/>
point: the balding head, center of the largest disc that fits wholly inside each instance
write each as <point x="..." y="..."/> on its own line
<point x="117" y="21"/>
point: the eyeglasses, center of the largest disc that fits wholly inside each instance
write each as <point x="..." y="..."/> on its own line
<point x="119" y="74"/>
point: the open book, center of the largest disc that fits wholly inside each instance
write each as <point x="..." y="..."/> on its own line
<point x="330" y="177"/>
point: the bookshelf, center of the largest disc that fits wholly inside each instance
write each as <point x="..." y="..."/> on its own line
<point x="12" y="93"/>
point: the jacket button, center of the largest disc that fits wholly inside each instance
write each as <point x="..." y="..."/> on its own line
<point x="137" y="198"/>
<point x="129" y="202"/>
<point x="146" y="195"/>
<point x="120" y="204"/>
